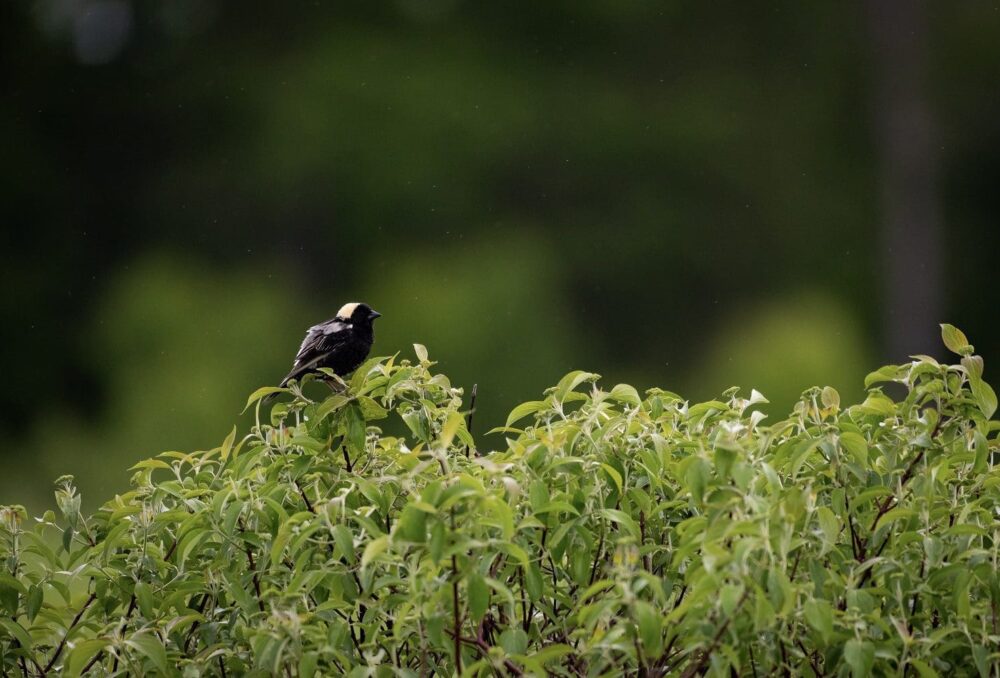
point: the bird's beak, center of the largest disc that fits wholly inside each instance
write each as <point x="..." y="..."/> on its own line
<point x="376" y="314"/>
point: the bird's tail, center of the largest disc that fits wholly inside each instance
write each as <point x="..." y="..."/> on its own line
<point x="297" y="372"/>
<point x="294" y="374"/>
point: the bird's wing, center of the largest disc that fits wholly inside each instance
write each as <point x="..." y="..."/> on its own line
<point x="320" y="340"/>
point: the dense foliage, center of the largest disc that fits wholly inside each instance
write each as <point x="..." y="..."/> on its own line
<point x="613" y="533"/>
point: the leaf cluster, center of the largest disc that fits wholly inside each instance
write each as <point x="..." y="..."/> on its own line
<point x="614" y="533"/>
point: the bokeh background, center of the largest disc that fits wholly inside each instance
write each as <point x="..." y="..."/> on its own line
<point x="682" y="194"/>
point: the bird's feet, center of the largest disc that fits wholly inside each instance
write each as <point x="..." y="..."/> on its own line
<point x="336" y="385"/>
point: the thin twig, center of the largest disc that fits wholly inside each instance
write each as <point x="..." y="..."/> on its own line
<point x="815" y="667"/>
<point x="302" y="493"/>
<point x="62" y="643"/>
<point x="454" y="604"/>
<point x="253" y="570"/>
<point x="194" y="626"/>
<point x="524" y="599"/>
<point x="696" y="666"/>
<point x="354" y="639"/>
<point x="468" y="417"/>
<point x="856" y="546"/>
<point x="121" y="628"/>
<point x="643" y="672"/>
<point x="483" y="647"/>
<point x="93" y="660"/>
<point x="597" y="558"/>
<point x="891" y="501"/>
<point x="795" y="565"/>
<point x="670" y="644"/>
<point x="647" y="563"/>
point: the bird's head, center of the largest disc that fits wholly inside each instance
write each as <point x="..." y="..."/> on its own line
<point x="357" y="313"/>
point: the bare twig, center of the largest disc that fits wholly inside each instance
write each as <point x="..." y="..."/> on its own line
<point x="62" y="643"/>
<point x="194" y="626"/>
<point x="468" y="417"/>
<point x="253" y="569"/>
<point x="597" y="558"/>
<point x="484" y="648"/>
<point x="695" y="666"/>
<point x="457" y="621"/>
<point x="647" y="563"/>
<point x="305" y="498"/>
<point x="811" y="657"/>
<point x="121" y="628"/>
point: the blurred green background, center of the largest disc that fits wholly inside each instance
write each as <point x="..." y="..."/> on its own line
<point x="689" y="195"/>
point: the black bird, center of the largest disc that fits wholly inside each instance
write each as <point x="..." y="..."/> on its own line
<point x="341" y="343"/>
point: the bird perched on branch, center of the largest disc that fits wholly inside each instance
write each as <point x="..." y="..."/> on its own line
<point x="341" y="343"/>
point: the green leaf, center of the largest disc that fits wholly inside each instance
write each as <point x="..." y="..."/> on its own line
<point x="973" y="365"/>
<point x="878" y="404"/>
<point x="524" y="409"/>
<point x="421" y="352"/>
<point x="623" y="519"/>
<point x="514" y="641"/>
<point x="650" y="625"/>
<point x="533" y="582"/>
<point x="331" y="404"/>
<point x="860" y="656"/>
<point x="227" y="445"/>
<point x="830" y="397"/>
<point x="374" y="549"/>
<point x="33" y="601"/>
<point x="308" y="664"/>
<point x="856" y="446"/>
<point x="149" y="464"/>
<point x="615" y="476"/>
<point x="144" y="597"/>
<point x="986" y="397"/>
<point x="361" y="374"/>
<point x="819" y="614"/>
<point x="571" y="381"/>
<point x="437" y="541"/>
<point x="263" y="392"/>
<point x="887" y="373"/>
<point x="547" y="654"/>
<point x="151" y="647"/>
<point x="412" y="525"/>
<point x="280" y="541"/>
<point x="479" y="595"/>
<point x="345" y="542"/>
<point x="955" y="339"/>
<point x="9" y="597"/>
<point x="18" y="632"/>
<point x="355" y="428"/>
<point x="81" y="654"/>
<point x="923" y="668"/>
<point x="454" y="421"/>
<point x="625" y="394"/>
<point x="981" y="657"/>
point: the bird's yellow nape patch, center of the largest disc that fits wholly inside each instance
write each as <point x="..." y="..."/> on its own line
<point x="347" y="310"/>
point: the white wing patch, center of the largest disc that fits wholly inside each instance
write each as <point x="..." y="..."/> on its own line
<point x="347" y="310"/>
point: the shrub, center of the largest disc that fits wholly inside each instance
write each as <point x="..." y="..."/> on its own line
<point x="612" y="534"/>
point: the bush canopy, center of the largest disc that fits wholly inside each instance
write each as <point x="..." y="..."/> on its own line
<point x="613" y="533"/>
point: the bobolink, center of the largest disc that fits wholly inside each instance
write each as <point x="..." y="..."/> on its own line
<point x="341" y="343"/>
